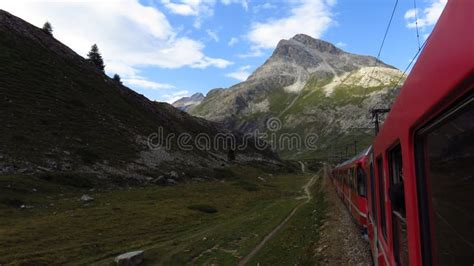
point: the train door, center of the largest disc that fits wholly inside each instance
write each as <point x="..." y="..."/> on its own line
<point x="445" y="186"/>
<point x="397" y="204"/>
<point x="361" y="188"/>
<point x="372" y="210"/>
<point x="382" y="234"/>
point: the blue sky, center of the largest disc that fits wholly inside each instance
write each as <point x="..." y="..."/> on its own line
<point x="166" y="49"/>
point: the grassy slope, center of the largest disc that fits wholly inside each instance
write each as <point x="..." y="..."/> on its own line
<point x="294" y="244"/>
<point x="60" y="229"/>
<point x="52" y="100"/>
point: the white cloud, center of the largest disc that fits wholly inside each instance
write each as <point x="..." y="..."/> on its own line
<point x="254" y="52"/>
<point x="129" y="35"/>
<point x="240" y="74"/>
<point x="213" y="35"/>
<point x="341" y="44"/>
<point x="426" y="17"/>
<point x="173" y="97"/>
<point x="180" y="9"/>
<point x="146" y="84"/>
<point x="264" y="6"/>
<point x="312" y="17"/>
<point x="244" y="3"/>
<point x="233" y="41"/>
<point x="201" y="9"/>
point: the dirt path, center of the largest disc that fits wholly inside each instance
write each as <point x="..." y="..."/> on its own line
<point x="308" y="197"/>
<point x="341" y="242"/>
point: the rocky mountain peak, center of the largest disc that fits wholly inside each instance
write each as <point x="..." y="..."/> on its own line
<point x="186" y="102"/>
<point x="299" y="57"/>
<point x="320" y="45"/>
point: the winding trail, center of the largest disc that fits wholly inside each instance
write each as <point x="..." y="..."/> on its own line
<point x="308" y="197"/>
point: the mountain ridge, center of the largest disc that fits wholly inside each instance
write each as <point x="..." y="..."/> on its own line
<point x="304" y="77"/>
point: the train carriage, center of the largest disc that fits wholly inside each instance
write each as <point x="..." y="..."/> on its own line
<point x="420" y="170"/>
<point x="350" y="181"/>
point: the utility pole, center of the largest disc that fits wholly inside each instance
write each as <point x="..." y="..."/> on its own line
<point x="375" y="115"/>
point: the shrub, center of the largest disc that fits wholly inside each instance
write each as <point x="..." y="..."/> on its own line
<point x="203" y="208"/>
<point x="48" y="28"/>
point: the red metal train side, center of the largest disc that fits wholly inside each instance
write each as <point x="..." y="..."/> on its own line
<point x="349" y="179"/>
<point x="406" y="219"/>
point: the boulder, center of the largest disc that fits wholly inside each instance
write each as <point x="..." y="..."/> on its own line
<point x="174" y="174"/>
<point x="130" y="258"/>
<point x="86" y="198"/>
<point x="171" y="181"/>
<point x="161" y="180"/>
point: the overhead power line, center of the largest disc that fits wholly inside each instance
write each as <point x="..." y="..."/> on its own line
<point x="416" y="25"/>
<point x="387" y="29"/>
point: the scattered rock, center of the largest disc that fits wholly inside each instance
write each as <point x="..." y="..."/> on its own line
<point x="174" y="174"/>
<point x="41" y="168"/>
<point x="26" y="206"/>
<point x="171" y="181"/>
<point x="86" y="198"/>
<point x="130" y="258"/>
<point x="262" y="179"/>
<point x="159" y="180"/>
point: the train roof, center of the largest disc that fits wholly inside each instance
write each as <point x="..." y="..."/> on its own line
<point x="359" y="156"/>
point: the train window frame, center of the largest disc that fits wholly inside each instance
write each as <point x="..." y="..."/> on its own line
<point x="423" y="186"/>
<point x="373" y="192"/>
<point x="361" y="181"/>
<point x="397" y="207"/>
<point x="382" y="195"/>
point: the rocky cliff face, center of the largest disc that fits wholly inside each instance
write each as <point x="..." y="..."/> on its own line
<point x="185" y="103"/>
<point x="310" y="86"/>
<point x="60" y="114"/>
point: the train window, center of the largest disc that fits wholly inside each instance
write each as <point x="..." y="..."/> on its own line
<point x="397" y="199"/>
<point x="445" y="171"/>
<point x="361" y="184"/>
<point x="381" y="179"/>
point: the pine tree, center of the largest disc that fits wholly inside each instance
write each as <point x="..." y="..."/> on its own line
<point x="95" y="57"/>
<point x="117" y="78"/>
<point x="48" y="28"/>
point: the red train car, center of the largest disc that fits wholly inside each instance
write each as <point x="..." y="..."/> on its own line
<point x="420" y="182"/>
<point x="423" y="157"/>
<point x="350" y="182"/>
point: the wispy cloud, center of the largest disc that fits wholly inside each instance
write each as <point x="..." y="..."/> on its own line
<point x="254" y="52"/>
<point x="427" y="16"/>
<point x="233" y="41"/>
<point x="244" y="3"/>
<point x="173" y="97"/>
<point x="241" y="73"/>
<point x="147" y="84"/>
<point x="312" y="17"/>
<point x="341" y="44"/>
<point x="213" y="35"/>
<point x="201" y="9"/>
<point x="264" y="6"/>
